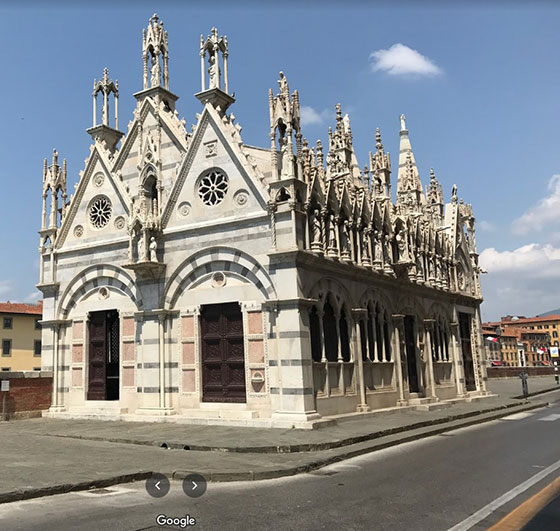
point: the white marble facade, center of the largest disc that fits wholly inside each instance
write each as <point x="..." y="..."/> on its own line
<point x="319" y="295"/>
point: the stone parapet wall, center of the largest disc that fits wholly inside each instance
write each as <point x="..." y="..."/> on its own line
<point x="29" y="394"/>
<point x="510" y="372"/>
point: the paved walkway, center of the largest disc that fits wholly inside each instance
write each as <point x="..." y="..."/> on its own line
<point x="47" y="456"/>
<point x="511" y="387"/>
<point x="241" y="439"/>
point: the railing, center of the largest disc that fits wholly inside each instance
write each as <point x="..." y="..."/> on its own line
<point x="378" y="375"/>
<point x="443" y="372"/>
<point x="332" y="378"/>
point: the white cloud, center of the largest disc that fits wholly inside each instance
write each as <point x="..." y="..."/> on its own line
<point x="310" y="116"/>
<point x="34" y="296"/>
<point x="536" y="259"/>
<point x="402" y="60"/>
<point x="485" y="226"/>
<point x="525" y="281"/>
<point x="546" y="211"/>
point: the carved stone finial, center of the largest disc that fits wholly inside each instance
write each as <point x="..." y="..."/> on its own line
<point x="338" y="113"/>
<point x="432" y="175"/>
<point x="378" y="144"/>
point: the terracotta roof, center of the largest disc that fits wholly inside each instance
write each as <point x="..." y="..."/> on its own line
<point x="522" y="320"/>
<point x="17" y="307"/>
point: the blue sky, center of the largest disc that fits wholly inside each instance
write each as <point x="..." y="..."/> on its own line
<point x="479" y="86"/>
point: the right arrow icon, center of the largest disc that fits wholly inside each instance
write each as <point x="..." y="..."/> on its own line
<point x="194" y="485"/>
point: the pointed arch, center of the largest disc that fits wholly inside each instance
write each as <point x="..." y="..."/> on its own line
<point x="217" y="258"/>
<point x="93" y="277"/>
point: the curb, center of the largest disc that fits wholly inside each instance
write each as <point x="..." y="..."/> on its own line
<point x="292" y="471"/>
<point x="29" y="493"/>
<point x="222" y="477"/>
<point x="296" y="448"/>
<point x="536" y="393"/>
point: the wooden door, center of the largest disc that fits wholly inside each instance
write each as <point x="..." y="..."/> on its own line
<point x="410" y="345"/>
<point x="466" y="350"/>
<point x="223" y="356"/>
<point x="97" y="354"/>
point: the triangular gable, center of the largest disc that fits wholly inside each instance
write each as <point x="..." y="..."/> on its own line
<point x="363" y="209"/>
<point x="377" y="216"/>
<point x="345" y="204"/>
<point x="332" y="199"/>
<point x="386" y="219"/>
<point x="316" y="190"/>
<point x="195" y="159"/>
<point x="97" y="164"/>
<point x="172" y="130"/>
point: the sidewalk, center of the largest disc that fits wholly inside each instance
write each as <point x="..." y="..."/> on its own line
<point x="41" y="457"/>
<point x="511" y="387"/>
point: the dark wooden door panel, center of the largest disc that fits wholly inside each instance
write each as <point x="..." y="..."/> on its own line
<point x="410" y="345"/>
<point x="223" y="356"/>
<point x="466" y="350"/>
<point x="97" y="352"/>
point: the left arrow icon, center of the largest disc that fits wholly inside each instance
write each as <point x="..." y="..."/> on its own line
<point x="157" y="485"/>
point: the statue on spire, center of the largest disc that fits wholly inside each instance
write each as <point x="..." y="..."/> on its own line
<point x="213" y="46"/>
<point x="403" y="122"/>
<point x="154" y="47"/>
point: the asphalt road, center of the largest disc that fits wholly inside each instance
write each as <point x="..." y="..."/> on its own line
<point x="433" y="484"/>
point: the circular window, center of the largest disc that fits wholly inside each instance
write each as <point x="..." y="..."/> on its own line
<point x="100" y="212"/>
<point x="213" y="187"/>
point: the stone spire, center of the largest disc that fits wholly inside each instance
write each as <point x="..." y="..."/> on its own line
<point x="380" y="166"/>
<point x="216" y="90"/>
<point x="155" y="54"/>
<point x="435" y="198"/>
<point x="104" y="133"/>
<point x="285" y="120"/>
<point x="342" y="159"/>
<point x="409" y="187"/>
<point x="54" y="183"/>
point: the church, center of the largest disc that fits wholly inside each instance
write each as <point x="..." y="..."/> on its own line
<point x="193" y="278"/>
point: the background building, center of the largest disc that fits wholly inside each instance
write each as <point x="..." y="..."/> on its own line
<point x="20" y="336"/>
<point x="523" y="341"/>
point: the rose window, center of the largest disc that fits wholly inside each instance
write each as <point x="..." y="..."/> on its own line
<point x="100" y="212"/>
<point x="213" y="187"/>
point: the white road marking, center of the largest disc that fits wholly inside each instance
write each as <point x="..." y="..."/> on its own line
<point x="519" y="416"/>
<point x="550" y="418"/>
<point x="487" y="510"/>
<point x="114" y="490"/>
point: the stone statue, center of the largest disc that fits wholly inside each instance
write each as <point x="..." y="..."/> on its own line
<point x="316" y="228"/>
<point x="386" y="247"/>
<point x="283" y="83"/>
<point x="155" y="80"/>
<point x="454" y="194"/>
<point x="214" y="73"/>
<point x="365" y="246"/>
<point x="346" y="123"/>
<point x="403" y="122"/>
<point x="345" y="243"/>
<point x="332" y="233"/>
<point x="401" y="243"/>
<point x="378" y="186"/>
<point x="153" y="250"/>
<point x="378" y="251"/>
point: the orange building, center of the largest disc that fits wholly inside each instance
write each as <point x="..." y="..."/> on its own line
<point x="537" y="334"/>
<point x="20" y="336"/>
